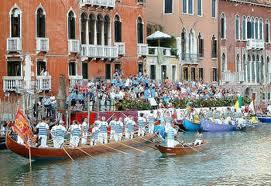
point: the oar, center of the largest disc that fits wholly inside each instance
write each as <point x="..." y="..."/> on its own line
<point x="132" y="147"/>
<point x="115" y="149"/>
<point x="144" y="145"/>
<point x="84" y="152"/>
<point x="67" y="153"/>
<point x="189" y="146"/>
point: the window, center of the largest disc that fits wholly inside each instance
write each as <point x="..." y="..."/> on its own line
<point x="215" y="74"/>
<point x="183" y="44"/>
<point x="163" y="72"/>
<point x="41" y="68"/>
<point x="214" y="47"/>
<point x="249" y="35"/>
<point x="261" y="29"/>
<point x="223" y="26"/>
<point x="190" y="6"/>
<point x="244" y="28"/>
<point x="140" y="68"/>
<point x="256" y="29"/>
<point x="237" y="27"/>
<point x="14" y="68"/>
<point x="223" y="63"/>
<point x="193" y="74"/>
<point x="140" y="30"/>
<point x="238" y="63"/>
<point x="252" y="29"/>
<point x="108" y="71"/>
<point x="72" y="68"/>
<point x="200" y="46"/>
<point x="71" y="25"/>
<point x="185" y="6"/>
<point x="40" y="23"/>
<point x="117" y="26"/>
<point x="15" y="23"/>
<point x="199" y="7"/>
<point x="83" y="28"/>
<point x="173" y="73"/>
<point x="168" y="6"/>
<point x="213" y="8"/>
<point x="91" y="29"/>
<point x="106" y="29"/>
<point x="153" y="72"/>
<point x="191" y="43"/>
<point x="201" y="75"/>
<point x="99" y="25"/>
<point x="185" y="73"/>
<point x="267" y="31"/>
<point x="85" y="70"/>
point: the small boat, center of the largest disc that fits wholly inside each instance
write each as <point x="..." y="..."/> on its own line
<point x="180" y="150"/>
<point x="2" y="142"/>
<point x="209" y="126"/>
<point x="190" y="126"/>
<point x="264" y="119"/>
<point x="72" y="153"/>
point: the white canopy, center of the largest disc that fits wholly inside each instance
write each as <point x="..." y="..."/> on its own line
<point x="158" y="35"/>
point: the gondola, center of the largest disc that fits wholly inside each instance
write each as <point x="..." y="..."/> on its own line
<point x="51" y="153"/>
<point x="209" y="126"/>
<point x="190" y="126"/>
<point x="180" y="150"/>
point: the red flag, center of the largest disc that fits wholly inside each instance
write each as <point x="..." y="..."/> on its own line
<point x="22" y="127"/>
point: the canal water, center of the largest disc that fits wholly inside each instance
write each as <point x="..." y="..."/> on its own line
<point x="236" y="158"/>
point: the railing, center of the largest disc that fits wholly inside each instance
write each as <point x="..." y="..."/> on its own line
<point x="155" y="51"/>
<point x="121" y="48"/>
<point x="44" y="83"/>
<point x="102" y="3"/>
<point x="256" y="44"/>
<point x="14" y="44"/>
<point x="42" y="44"/>
<point x="142" y="49"/>
<point x="229" y="77"/>
<point x="240" y="76"/>
<point x="74" y="46"/>
<point x="12" y="83"/>
<point x="190" y="58"/>
<point x="99" y="51"/>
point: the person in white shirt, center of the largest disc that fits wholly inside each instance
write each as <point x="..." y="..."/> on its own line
<point x="141" y="121"/>
<point x="112" y="124"/>
<point x="43" y="128"/>
<point x="58" y="134"/>
<point x="95" y="134"/>
<point x="269" y="109"/>
<point x="118" y="130"/>
<point x="75" y="134"/>
<point x="103" y="131"/>
<point x="129" y="128"/>
<point x="85" y="129"/>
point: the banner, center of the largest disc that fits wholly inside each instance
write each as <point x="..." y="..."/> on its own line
<point x="22" y="127"/>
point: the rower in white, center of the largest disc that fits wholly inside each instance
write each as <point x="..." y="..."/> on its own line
<point x="95" y="134"/>
<point x="58" y="132"/>
<point x="85" y="129"/>
<point x="170" y="137"/>
<point x="103" y="131"/>
<point x="118" y="130"/>
<point x="141" y="120"/>
<point x="112" y="124"/>
<point x="129" y="128"/>
<point x="151" y="121"/>
<point x="75" y="134"/>
<point x="43" y="128"/>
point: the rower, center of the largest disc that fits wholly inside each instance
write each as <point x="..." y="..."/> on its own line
<point x="151" y="121"/>
<point x="58" y="132"/>
<point x="199" y="139"/>
<point x="129" y="128"/>
<point x="168" y="119"/>
<point x="43" y="128"/>
<point x="141" y="120"/>
<point x="103" y="131"/>
<point x="75" y="134"/>
<point x="95" y="134"/>
<point x="85" y="129"/>
<point x="112" y="124"/>
<point x="171" y="132"/>
<point x="118" y="130"/>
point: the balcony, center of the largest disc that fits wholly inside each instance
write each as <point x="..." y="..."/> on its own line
<point x="99" y="51"/>
<point x="255" y="44"/>
<point x="99" y="3"/>
<point x="14" y="44"/>
<point x="12" y="83"/>
<point x="142" y="49"/>
<point x="74" y="46"/>
<point x="240" y="76"/>
<point x="168" y="52"/>
<point x="189" y="58"/>
<point x="44" y="83"/>
<point x="42" y="44"/>
<point x="121" y="48"/>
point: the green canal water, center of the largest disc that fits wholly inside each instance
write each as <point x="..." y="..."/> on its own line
<point x="236" y="158"/>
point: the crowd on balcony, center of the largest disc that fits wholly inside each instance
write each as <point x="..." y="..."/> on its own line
<point x="104" y="95"/>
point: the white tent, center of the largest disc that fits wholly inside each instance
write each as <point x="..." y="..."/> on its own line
<point x="157" y="36"/>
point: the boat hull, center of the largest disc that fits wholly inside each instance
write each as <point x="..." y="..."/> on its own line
<point x="54" y="153"/>
<point x="208" y="126"/>
<point x="178" y="151"/>
<point x="2" y="143"/>
<point x="191" y="127"/>
<point x="264" y="119"/>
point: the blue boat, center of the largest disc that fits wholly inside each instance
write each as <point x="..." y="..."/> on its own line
<point x="190" y="126"/>
<point x="209" y="126"/>
<point x="264" y="119"/>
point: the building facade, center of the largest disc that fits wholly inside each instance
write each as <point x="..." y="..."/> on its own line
<point x="194" y="24"/>
<point x="82" y="39"/>
<point x="244" y="41"/>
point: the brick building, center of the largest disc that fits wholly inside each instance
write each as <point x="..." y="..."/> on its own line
<point x="43" y="39"/>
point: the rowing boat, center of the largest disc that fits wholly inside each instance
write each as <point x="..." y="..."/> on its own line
<point x="264" y="119"/>
<point x="72" y="153"/>
<point x="209" y="126"/>
<point x="190" y="126"/>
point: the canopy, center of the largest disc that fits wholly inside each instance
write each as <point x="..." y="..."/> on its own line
<point x="158" y="35"/>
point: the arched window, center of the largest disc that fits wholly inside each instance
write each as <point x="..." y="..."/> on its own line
<point x="83" y="28"/>
<point x="237" y="27"/>
<point x="244" y="65"/>
<point x="200" y="46"/>
<point x="99" y="25"/>
<point x="267" y="31"/>
<point x="214" y="47"/>
<point x="15" y="19"/>
<point x="252" y="29"/>
<point x="106" y="29"/>
<point x="91" y="29"/>
<point x="223" y="26"/>
<point x="117" y="29"/>
<point x="183" y="43"/>
<point x="71" y="25"/>
<point x="238" y="64"/>
<point x="249" y="28"/>
<point x="191" y="42"/>
<point x="40" y="23"/>
<point x="140" y="30"/>
<point x="223" y="63"/>
<point x="261" y="29"/>
<point x="244" y="28"/>
<point x="256" y="28"/>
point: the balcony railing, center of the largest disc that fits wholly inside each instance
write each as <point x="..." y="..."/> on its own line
<point x="74" y="46"/>
<point x="155" y="51"/>
<point x="14" y="44"/>
<point x="142" y="49"/>
<point x="121" y="48"/>
<point x="42" y="44"/>
<point x="101" y="3"/>
<point x="12" y="83"/>
<point x="99" y="51"/>
<point x="44" y="83"/>
<point x="190" y="58"/>
<point x="240" y="76"/>
<point x="255" y="44"/>
<point x="228" y="77"/>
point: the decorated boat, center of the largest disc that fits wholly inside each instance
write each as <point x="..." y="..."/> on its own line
<point x="264" y="119"/>
<point x="71" y="153"/>
<point x="180" y="150"/>
<point x="210" y="126"/>
<point x="190" y="126"/>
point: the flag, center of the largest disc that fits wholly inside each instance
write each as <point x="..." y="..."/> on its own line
<point x="22" y="127"/>
<point x="236" y="105"/>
